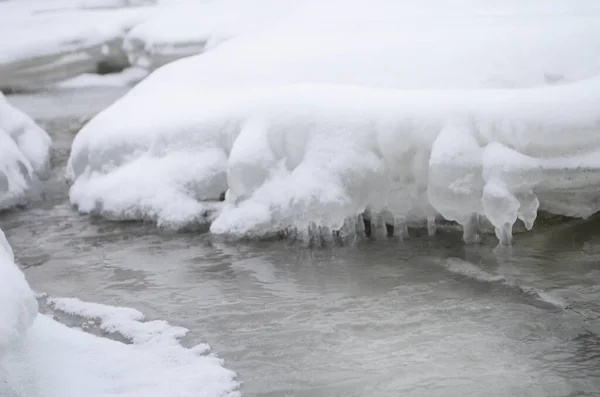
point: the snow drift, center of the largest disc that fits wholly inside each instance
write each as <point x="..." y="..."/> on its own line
<point x="326" y="115"/>
<point x="24" y="154"/>
<point x="40" y="357"/>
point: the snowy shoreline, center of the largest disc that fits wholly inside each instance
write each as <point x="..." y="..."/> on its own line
<point x="40" y="357"/>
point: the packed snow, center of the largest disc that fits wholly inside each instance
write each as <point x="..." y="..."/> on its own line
<point x="25" y="150"/>
<point x="40" y="357"/>
<point x="396" y="110"/>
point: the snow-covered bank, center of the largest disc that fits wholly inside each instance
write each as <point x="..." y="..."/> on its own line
<point x="332" y="114"/>
<point x="18" y="307"/>
<point x="40" y="357"/>
<point x="24" y="154"/>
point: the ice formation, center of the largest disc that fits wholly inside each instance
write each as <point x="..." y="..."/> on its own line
<point x="339" y="111"/>
<point x="39" y="357"/>
<point x="24" y="154"/>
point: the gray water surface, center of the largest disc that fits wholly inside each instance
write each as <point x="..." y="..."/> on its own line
<point x="426" y="317"/>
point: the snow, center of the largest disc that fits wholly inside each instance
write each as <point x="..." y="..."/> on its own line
<point x="40" y="357"/>
<point x="481" y="111"/>
<point x="24" y="154"/>
<point x="18" y="307"/>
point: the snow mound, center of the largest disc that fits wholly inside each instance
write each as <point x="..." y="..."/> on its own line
<point x="58" y="361"/>
<point x="18" y="307"/>
<point x="336" y="113"/>
<point x="24" y="154"/>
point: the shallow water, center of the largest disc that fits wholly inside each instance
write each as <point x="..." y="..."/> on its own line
<point x="426" y="317"/>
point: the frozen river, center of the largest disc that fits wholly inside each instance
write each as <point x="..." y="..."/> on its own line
<point x="426" y="317"/>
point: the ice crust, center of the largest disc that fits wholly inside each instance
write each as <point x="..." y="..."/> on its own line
<point x="40" y="357"/>
<point x="335" y="111"/>
<point x="24" y="154"/>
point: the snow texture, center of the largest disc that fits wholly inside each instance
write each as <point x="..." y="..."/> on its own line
<point x="18" y="307"/>
<point x="40" y="357"/>
<point x="24" y="154"/>
<point x="390" y="109"/>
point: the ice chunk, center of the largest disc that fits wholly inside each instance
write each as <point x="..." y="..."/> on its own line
<point x="32" y="141"/>
<point x="322" y="123"/>
<point x="24" y="154"/>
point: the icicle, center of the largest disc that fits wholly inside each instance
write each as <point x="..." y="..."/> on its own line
<point x="504" y="234"/>
<point x="378" y="227"/>
<point x="470" y="228"/>
<point x="400" y="228"/>
<point x="431" y="226"/>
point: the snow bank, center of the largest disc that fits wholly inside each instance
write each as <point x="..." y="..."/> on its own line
<point x="58" y="361"/>
<point x="18" y="307"/>
<point x="24" y="154"/>
<point x="40" y="357"/>
<point x="327" y="114"/>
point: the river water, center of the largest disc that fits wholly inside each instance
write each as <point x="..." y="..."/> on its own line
<point x="426" y="317"/>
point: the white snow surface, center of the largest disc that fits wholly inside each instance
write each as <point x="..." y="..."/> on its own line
<point x="463" y="110"/>
<point x="40" y="357"/>
<point x="24" y="154"/>
<point x="18" y="307"/>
